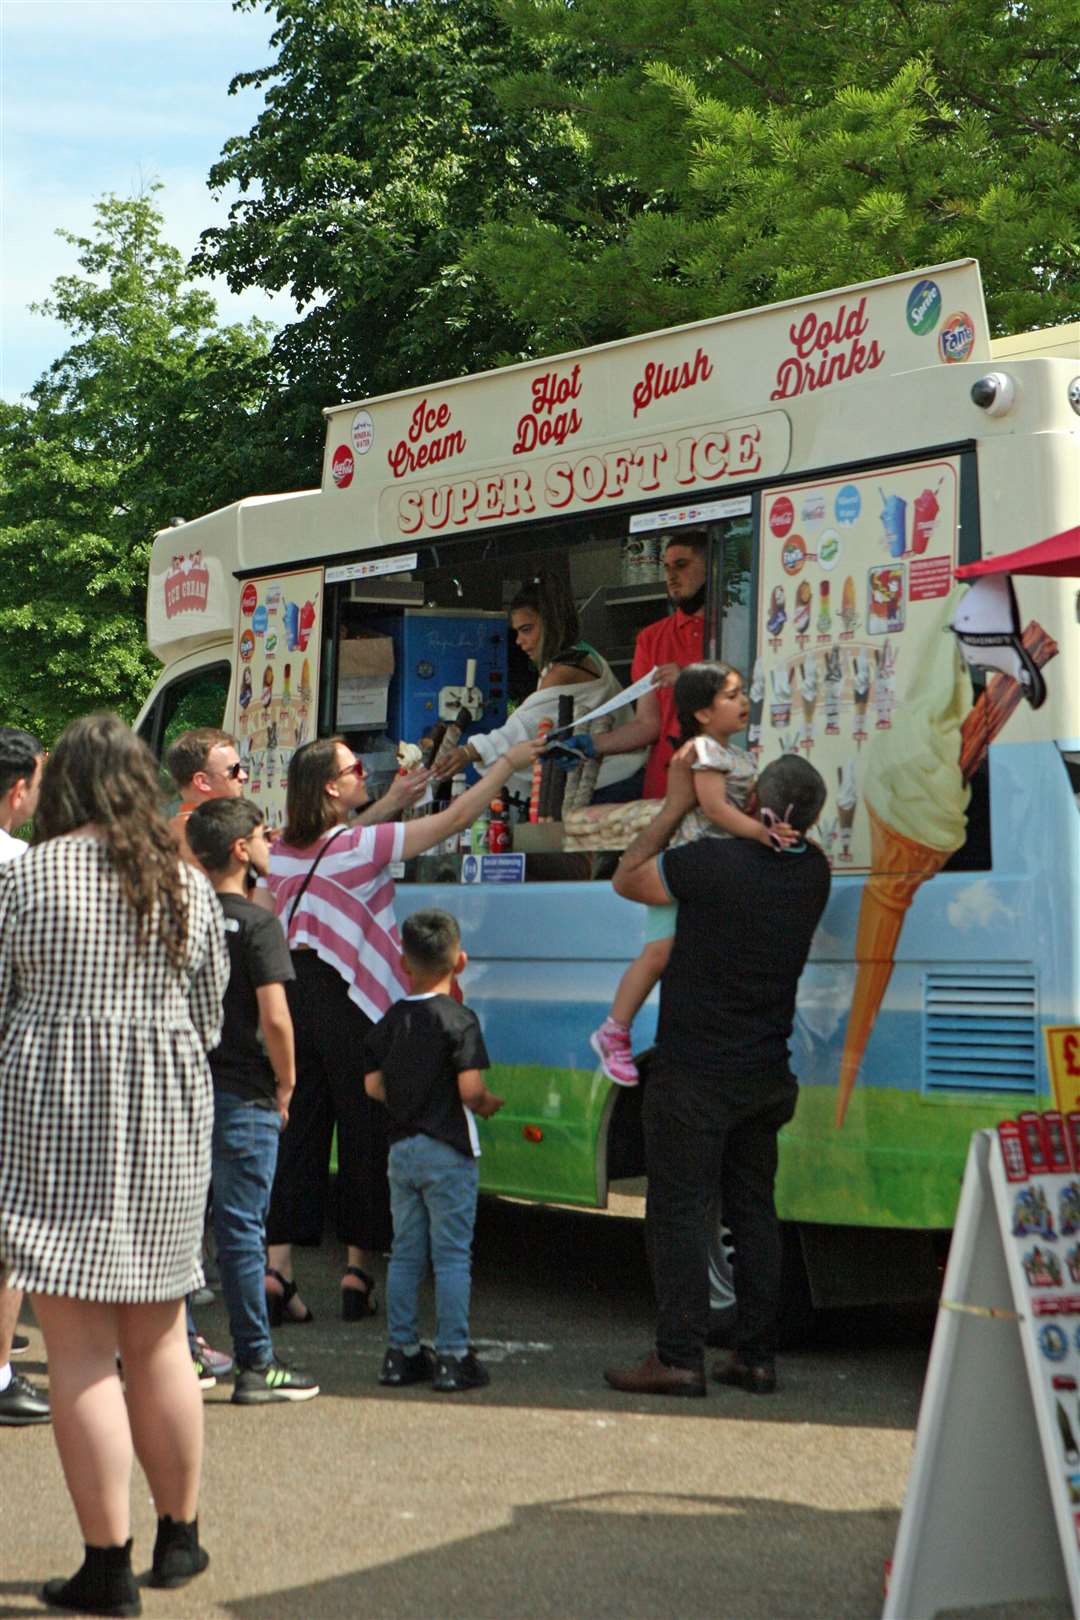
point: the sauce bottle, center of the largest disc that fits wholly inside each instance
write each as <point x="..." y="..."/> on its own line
<point x="498" y="832"/>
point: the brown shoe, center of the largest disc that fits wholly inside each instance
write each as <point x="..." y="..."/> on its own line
<point x="655" y="1377"/>
<point x="756" y="1377"/>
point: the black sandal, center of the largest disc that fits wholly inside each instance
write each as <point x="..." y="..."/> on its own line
<point x="277" y="1305"/>
<point x="357" y="1303"/>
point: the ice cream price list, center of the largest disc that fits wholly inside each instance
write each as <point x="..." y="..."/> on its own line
<point x="992" y="1511"/>
<point x="855" y="576"/>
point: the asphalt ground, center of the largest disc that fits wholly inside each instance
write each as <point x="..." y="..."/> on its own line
<point x="546" y="1494"/>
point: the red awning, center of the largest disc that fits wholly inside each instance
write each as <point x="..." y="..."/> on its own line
<point x="1059" y="556"/>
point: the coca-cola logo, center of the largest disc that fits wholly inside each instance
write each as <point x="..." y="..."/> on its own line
<point x="429" y="440"/>
<point x="342" y="466"/>
<point x="549" y="422"/>
<point x="249" y="600"/>
<point x="187" y="585"/>
<point x="827" y="350"/>
<point x="659" y="380"/>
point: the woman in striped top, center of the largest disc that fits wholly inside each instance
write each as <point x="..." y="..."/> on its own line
<point x="333" y="891"/>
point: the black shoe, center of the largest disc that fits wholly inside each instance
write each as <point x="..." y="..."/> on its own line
<point x="20" y="1344"/>
<point x="261" y="1386"/>
<point x="654" y="1377"/>
<point x="178" y="1558"/>
<point x="460" y="1372"/>
<point x="399" y="1369"/>
<point x="22" y="1403"/>
<point x="357" y="1304"/>
<point x="104" y="1585"/>
<point x="756" y="1377"/>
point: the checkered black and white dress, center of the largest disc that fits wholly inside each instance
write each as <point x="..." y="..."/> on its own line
<point x="106" y="1104"/>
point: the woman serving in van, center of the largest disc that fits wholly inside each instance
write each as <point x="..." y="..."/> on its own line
<point x="544" y="622"/>
<point x="333" y="891"/>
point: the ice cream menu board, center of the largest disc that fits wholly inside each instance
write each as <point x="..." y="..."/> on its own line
<point x="853" y="591"/>
<point x="277" y="690"/>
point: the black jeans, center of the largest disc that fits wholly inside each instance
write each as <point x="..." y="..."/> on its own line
<point x="330" y="1031"/>
<point x="702" y="1138"/>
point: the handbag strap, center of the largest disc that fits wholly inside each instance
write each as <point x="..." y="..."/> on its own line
<point x="302" y="890"/>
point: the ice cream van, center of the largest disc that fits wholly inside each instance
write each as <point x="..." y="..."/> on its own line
<point x="842" y="455"/>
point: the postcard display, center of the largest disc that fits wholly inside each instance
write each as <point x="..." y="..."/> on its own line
<point x="852" y="571"/>
<point x="278" y="682"/>
<point x="992" y="1511"/>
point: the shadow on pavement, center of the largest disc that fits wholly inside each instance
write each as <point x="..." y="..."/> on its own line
<point x="724" y="1558"/>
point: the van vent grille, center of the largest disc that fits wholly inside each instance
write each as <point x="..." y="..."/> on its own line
<point x="980" y="1032"/>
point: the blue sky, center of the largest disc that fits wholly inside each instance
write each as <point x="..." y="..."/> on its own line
<point x="104" y="96"/>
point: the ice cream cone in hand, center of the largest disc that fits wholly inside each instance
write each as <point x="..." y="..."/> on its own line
<point x="916" y="798"/>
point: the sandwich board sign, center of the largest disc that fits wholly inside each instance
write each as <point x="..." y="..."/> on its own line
<point x="992" y="1511"/>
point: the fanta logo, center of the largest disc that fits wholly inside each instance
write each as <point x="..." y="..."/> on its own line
<point x="187" y="585"/>
<point x="956" y="338"/>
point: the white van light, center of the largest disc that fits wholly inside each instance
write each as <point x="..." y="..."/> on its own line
<point x="1074" y="395"/>
<point x="994" y="393"/>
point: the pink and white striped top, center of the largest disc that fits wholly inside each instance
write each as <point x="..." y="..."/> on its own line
<point x="346" y="913"/>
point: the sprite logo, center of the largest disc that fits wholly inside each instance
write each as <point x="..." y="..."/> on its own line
<point x="924" y="307"/>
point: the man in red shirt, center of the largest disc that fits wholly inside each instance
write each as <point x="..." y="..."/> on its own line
<point x="669" y="644"/>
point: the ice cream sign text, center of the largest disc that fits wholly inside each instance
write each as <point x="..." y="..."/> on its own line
<point x="429" y="439"/>
<point x="719" y="454"/>
<point x="187" y="585"/>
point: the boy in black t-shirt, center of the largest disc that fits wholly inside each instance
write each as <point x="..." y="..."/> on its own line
<point x="254" y="1074"/>
<point x="424" y="1061"/>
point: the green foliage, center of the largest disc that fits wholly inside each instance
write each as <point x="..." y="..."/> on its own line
<point x="381" y="149"/>
<point x="765" y="155"/>
<point x="153" y="411"/>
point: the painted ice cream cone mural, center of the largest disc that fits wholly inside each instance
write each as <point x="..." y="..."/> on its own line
<point x="780" y="704"/>
<point x="808" y="695"/>
<point x="757" y="705"/>
<point x="847" y="798"/>
<point x="916" y="799"/>
<point x="860" y="678"/>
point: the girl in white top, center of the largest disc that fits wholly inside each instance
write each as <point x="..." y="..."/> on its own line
<point x="712" y="707"/>
<point x="544" y="622"/>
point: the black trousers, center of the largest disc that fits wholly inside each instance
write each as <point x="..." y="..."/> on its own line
<point x="700" y="1139"/>
<point x="330" y="1030"/>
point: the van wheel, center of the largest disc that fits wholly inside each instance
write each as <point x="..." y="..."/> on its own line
<point x="797" y="1314"/>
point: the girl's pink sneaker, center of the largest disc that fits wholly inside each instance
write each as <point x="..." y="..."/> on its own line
<point x="611" y="1043"/>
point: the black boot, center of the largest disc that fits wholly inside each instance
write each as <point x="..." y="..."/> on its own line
<point x="104" y="1584"/>
<point x="177" y="1554"/>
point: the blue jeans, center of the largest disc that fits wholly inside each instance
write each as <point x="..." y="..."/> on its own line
<point x="245" y="1152"/>
<point x="433" y="1191"/>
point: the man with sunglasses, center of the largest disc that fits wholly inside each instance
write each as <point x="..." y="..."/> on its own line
<point x="205" y="765"/>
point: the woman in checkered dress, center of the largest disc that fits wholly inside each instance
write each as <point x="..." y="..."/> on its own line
<point x="112" y="968"/>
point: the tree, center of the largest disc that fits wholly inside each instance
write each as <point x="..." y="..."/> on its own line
<point x="380" y="151"/>
<point x="153" y="411"/>
<point x="774" y="155"/>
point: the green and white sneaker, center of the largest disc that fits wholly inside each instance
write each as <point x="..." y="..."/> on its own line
<point x="276" y="1381"/>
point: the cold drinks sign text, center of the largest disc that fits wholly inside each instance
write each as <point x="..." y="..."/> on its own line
<point x="827" y="350"/>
